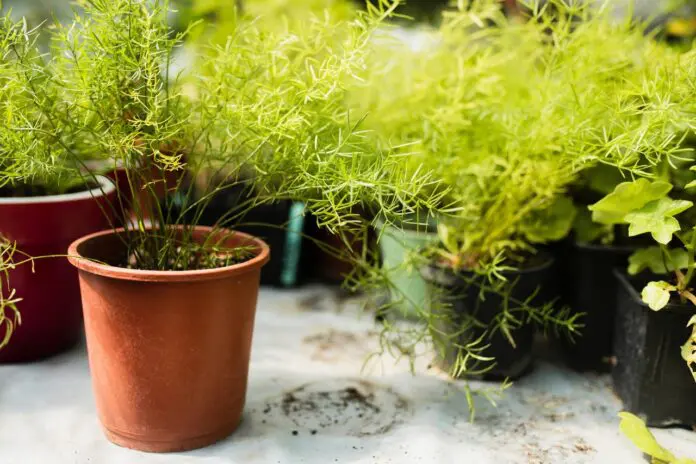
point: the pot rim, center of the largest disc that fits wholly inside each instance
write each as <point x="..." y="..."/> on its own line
<point x="141" y="275"/>
<point x="600" y="247"/>
<point x="106" y="187"/>
<point x="625" y="280"/>
<point x="432" y="272"/>
<point x="550" y="261"/>
<point x="424" y="233"/>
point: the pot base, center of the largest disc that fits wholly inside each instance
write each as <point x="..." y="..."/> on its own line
<point x="134" y="442"/>
<point x="17" y="354"/>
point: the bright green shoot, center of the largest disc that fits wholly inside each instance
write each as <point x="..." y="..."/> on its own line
<point x="636" y="431"/>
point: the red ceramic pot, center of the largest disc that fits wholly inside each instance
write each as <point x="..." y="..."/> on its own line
<point x="50" y="308"/>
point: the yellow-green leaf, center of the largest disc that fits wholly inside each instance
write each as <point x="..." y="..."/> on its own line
<point x="636" y="431"/>
<point x="652" y="258"/>
<point x="626" y="198"/>
<point x="656" y="218"/>
<point x="657" y="294"/>
<point x="550" y="224"/>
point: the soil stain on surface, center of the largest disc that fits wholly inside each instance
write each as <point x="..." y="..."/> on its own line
<point x="338" y="407"/>
<point x="332" y="345"/>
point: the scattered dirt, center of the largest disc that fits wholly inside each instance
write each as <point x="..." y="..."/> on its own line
<point x="536" y="454"/>
<point x="333" y="344"/>
<point x="334" y="300"/>
<point x="520" y="429"/>
<point x="558" y="417"/>
<point x="355" y="407"/>
<point x="316" y="302"/>
<point x="581" y="446"/>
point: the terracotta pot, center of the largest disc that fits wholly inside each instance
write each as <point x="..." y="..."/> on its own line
<point x="50" y="307"/>
<point x="168" y="350"/>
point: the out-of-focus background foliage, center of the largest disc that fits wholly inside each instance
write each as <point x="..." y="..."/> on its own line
<point x="676" y="19"/>
<point x="38" y="11"/>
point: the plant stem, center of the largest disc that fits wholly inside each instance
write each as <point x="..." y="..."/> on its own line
<point x="691" y="249"/>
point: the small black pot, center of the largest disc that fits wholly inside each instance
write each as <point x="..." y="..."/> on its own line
<point x="282" y="225"/>
<point x="588" y="286"/>
<point x="650" y="376"/>
<point x="455" y="299"/>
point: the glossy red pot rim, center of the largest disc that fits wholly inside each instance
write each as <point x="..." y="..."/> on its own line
<point x="106" y="187"/>
<point x="86" y="264"/>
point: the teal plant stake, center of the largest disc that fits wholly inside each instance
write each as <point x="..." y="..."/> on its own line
<point x="293" y="244"/>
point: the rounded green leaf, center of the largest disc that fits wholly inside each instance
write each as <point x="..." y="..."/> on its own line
<point x="656" y="218"/>
<point x="626" y="198"/>
<point x="652" y="258"/>
<point x="656" y="294"/>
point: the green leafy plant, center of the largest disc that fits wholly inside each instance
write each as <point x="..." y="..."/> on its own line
<point x="293" y="134"/>
<point x="597" y="95"/>
<point x="266" y="104"/>
<point x="592" y="95"/>
<point x="636" y="431"/>
<point x="267" y="109"/>
<point x="215" y="20"/>
<point x="34" y="153"/>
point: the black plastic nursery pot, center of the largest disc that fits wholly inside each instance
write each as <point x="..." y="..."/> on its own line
<point x="588" y="286"/>
<point x="650" y="376"/>
<point x="456" y="297"/>
<point x="282" y="225"/>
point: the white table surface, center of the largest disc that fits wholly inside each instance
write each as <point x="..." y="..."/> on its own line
<point x="311" y="336"/>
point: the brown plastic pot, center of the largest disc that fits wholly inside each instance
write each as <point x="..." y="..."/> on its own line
<point x="168" y="350"/>
<point x="50" y="307"/>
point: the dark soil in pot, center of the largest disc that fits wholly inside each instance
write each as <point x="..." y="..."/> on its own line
<point x="589" y="287"/>
<point x="168" y="350"/>
<point x="41" y="226"/>
<point x="456" y="299"/>
<point x="650" y="376"/>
